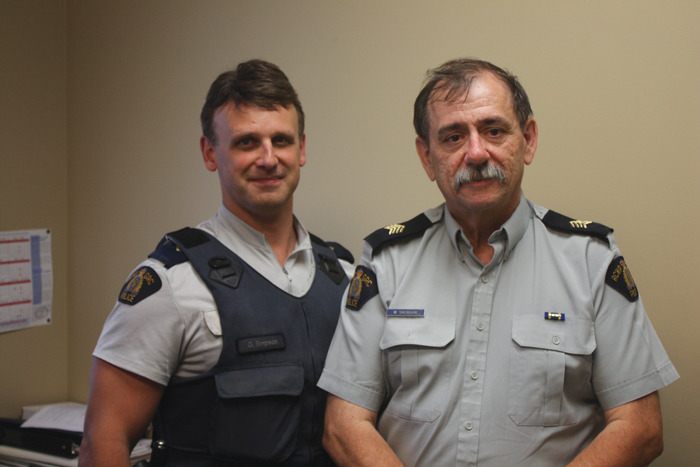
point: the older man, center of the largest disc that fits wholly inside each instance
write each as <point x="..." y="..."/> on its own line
<point x="490" y="330"/>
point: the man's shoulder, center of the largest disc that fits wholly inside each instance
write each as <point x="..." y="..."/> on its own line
<point x="405" y="231"/>
<point x="563" y="224"/>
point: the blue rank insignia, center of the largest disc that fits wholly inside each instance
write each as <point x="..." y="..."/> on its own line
<point x="620" y="278"/>
<point x="363" y="287"/>
<point x="142" y="283"/>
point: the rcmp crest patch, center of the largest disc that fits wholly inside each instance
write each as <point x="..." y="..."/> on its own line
<point x="620" y="278"/>
<point x="142" y="283"/>
<point x="362" y="288"/>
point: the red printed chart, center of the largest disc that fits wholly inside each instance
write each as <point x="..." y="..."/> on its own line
<point x="26" y="279"/>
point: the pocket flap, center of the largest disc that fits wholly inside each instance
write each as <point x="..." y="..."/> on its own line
<point x="573" y="336"/>
<point x="287" y="380"/>
<point x="424" y="332"/>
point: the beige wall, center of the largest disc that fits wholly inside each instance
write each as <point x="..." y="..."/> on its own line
<point x="33" y="186"/>
<point x="614" y="86"/>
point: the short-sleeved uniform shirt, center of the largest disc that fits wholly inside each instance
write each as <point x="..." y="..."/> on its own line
<point x="460" y="362"/>
<point x="176" y="332"/>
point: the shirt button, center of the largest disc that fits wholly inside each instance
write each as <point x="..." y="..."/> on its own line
<point x="556" y="340"/>
<point x="468" y="426"/>
<point x="484" y="279"/>
<point x="480" y="326"/>
<point x="474" y="375"/>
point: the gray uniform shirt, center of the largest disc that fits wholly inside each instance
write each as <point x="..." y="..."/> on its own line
<point x="176" y="331"/>
<point x="460" y="363"/>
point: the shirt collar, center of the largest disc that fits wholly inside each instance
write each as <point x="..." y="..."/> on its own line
<point x="510" y="232"/>
<point x="516" y="226"/>
<point x="230" y="223"/>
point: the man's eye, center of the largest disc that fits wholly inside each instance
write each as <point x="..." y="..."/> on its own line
<point x="453" y="138"/>
<point x="495" y="132"/>
<point x="281" y="141"/>
<point x="245" y="143"/>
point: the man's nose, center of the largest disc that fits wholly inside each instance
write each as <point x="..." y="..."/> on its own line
<point x="267" y="158"/>
<point x="475" y="152"/>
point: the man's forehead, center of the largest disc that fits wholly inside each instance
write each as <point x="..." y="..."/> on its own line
<point x="484" y="84"/>
<point x="231" y="114"/>
<point x="491" y="95"/>
<point x="246" y="107"/>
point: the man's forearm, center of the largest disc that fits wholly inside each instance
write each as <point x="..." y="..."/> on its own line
<point x="633" y="436"/>
<point x="351" y="438"/>
<point x="106" y="452"/>
<point x="359" y="445"/>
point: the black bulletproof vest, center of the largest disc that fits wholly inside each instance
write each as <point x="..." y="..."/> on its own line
<point x="259" y="405"/>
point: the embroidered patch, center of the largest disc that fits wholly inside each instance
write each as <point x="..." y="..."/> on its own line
<point x="142" y="283"/>
<point x="362" y="288"/>
<point x="405" y="313"/>
<point x="620" y="278"/>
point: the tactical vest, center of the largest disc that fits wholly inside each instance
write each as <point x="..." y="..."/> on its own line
<point x="259" y="405"/>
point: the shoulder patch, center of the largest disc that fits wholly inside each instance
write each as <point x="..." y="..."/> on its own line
<point x="562" y="223"/>
<point x="620" y="278"/>
<point x="142" y="283"/>
<point x="363" y="287"/>
<point x="396" y="232"/>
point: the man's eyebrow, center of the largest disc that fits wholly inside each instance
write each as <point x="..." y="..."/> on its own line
<point x="490" y="121"/>
<point x="457" y="126"/>
<point x="246" y="135"/>
<point x="287" y="134"/>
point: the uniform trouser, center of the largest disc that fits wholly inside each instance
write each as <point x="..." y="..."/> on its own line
<point x="173" y="458"/>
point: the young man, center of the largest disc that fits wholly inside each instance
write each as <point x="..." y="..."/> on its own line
<point x="489" y="330"/>
<point x="220" y="336"/>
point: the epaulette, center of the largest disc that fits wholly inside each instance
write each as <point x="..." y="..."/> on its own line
<point x="562" y="223"/>
<point x="167" y="251"/>
<point x="340" y="251"/>
<point x="395" y="232"/>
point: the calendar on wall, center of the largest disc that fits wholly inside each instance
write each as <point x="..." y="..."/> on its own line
<point x="26" y="279"/>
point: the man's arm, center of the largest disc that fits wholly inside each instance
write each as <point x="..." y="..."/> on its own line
<point x="350" y="436"/>
<point x="120" y="406"/>
<point x="632" y="436"/>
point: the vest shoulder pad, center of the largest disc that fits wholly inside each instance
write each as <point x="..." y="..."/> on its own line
<point x="339" y="250"/>
<point x="167" y="250"/>
<point x="394" y="233"/>
<point x="561" y="223"/>
<point x="168" y="253"/>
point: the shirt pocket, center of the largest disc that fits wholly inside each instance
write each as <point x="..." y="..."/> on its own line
<point x="417" y="358"/>
<point x="257" y="413"/>
<point x="550" y="370"/>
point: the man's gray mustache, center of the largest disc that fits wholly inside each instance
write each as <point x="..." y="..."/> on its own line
<point x="470" y="174"/>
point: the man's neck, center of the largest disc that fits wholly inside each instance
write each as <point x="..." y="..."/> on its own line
<point x="478" y="227"/>
<point x="277" y="228"/>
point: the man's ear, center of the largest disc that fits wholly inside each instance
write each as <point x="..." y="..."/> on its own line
<point x="302" y="150"/>
<point x="208" y="153"/>
<point x="423" y="151"/>
<point x="531" y="138"/>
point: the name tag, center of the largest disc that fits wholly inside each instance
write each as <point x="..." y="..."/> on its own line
<point x="261" y="344"/>
<point x="405" y="313"/>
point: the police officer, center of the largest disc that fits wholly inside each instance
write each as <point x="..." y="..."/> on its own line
<point x="220" y="336"/>
<point x="490" y="330"/>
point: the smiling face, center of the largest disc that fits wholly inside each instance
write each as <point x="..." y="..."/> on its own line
<point x="258" y="154"/>
<point x="476" y="150"/>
